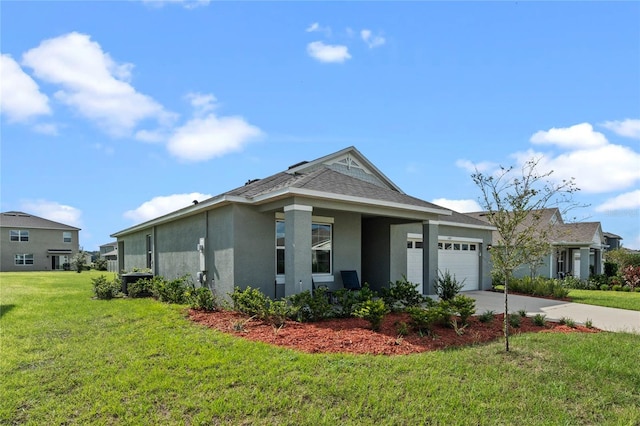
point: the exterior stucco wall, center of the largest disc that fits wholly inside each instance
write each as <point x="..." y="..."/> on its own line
<point x="346" y="245"/>
<point x="175" y="247"/>
<point x="40" y="241"/>
<point x="220" y="251"/>
<point x="135" y="250"/>
<point x="255" y="250"/>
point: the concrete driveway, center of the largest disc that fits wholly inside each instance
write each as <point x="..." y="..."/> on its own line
<point x="609" y="319"/>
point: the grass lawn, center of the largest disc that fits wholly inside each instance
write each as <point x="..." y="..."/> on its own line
<point x="612" y="299"/>
<point x="68" y="359"/>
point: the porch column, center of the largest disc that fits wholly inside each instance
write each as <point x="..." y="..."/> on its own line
<point x="429" y="256"/>
<point x="597" y="260"/>
<point x="297" y="248"/>
<point x="584" y="263"/>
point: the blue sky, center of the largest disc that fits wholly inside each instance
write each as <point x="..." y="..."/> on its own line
<point x="116" y="112"/>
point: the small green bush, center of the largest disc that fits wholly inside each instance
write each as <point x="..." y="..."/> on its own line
<point x="307" y="307"/>
<point x="401" y="295"/>
<point x="522" y="313"/>
<point x="349" y="300"/>
<point x="174" y="291"/>
<point x="604" y="287"/>
<point x="588" y="323"/>
<point x="373" y="311"/>
<point x="616" y="287"/>
<point x="143" y="287"/>
<point x="514" y="320"/>
<point x="464" y="306"/>
<point x="446" y="285"/>
<point x="626" y="288"/>
<point x="539" y="320"/>
<point x="202" y="298"/>
<point x="250" y="301"/>
<point x="104" y="289"/>
<point x="424" y="319"/>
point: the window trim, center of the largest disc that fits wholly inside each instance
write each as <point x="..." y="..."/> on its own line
<point x="23" y="259"/>
<point x="21" y="235"/>
<point x="64" y="237"/>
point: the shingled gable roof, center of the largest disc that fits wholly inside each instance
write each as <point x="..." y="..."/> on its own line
<point x="326" y="178"/>
<point x="561" y="233"/>
<point x="15" y="219"/>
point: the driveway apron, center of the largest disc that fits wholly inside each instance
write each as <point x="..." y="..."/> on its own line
<point x="610" y="319"/>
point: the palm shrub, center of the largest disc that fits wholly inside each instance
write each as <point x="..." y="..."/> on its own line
<point x="401" y="295"/>
<point x="447" y="286"/>
<point x="105" y="289"/>
<point x="373" y="311"/>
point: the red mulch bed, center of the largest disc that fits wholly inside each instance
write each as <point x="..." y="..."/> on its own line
<point x="354" y="335"/>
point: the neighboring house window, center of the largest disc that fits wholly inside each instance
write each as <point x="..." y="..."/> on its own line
<point x="321" y="246"/>
<point x="66" y="237"/>
<point x="24" y="259"/>
<point x="19" y="235"/>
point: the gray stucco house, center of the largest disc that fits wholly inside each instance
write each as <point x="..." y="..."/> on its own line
<point x="576" y="248"/>
<point x="32" y="243"/>
<point x="302" y="226"/>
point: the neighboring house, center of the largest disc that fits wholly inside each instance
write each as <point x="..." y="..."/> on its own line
<point x="576" y="247"/>
<point x="612" y="241"/>
<point x="109" y="252"/>
<point x="298" y="228"/>
<point x="32" y="243"/>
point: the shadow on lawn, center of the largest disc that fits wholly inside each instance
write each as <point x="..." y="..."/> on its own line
<point x="5" y="308"/>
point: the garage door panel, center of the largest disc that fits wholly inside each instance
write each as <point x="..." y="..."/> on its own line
<point x="461" y="259"/>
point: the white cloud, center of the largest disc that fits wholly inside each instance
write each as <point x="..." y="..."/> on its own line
<point x="187" y="4"/>
<point x="162" y="205"/>
<point x="372" y="40"/>
<point x="629" y="200"/>
<point x="579" y="136"/>
<point x="202" y="103"/>
<point x="328" y="52"/>
<point x="316" y="28"/>
<point x="93" y="84"/>
<point x="46" y="129"/>
<point x="201" y="139"/>
<point x="629" y="127"/>
<point x="471" y="167"/>
<point x="20" y="95"/>
<point x="602" y="169"/>
<point x="53" y="211"/>
<point x="461" y="206"/>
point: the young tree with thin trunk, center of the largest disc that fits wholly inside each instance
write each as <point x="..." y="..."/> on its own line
<point x="514" y="204"/>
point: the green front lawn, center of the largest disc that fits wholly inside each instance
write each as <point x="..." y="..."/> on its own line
<point x="611" y="299"/>
<point x="68" y="359"/>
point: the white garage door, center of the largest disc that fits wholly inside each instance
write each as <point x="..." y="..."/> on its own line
<point x="460" y="258"/>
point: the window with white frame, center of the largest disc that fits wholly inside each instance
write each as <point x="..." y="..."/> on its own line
<point x="23" y="259"/>
<point x="66" y="237"/>
<point x="321" y="248"/>
<point x="19" y="235"/>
